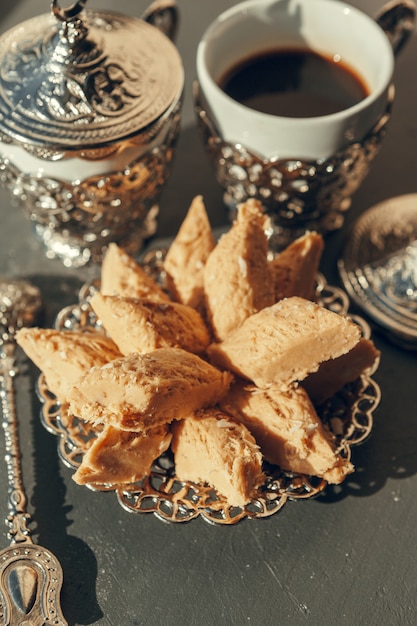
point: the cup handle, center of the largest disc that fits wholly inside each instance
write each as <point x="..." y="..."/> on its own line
<point x="163" y="14"/>
<point x="397" y="19"/>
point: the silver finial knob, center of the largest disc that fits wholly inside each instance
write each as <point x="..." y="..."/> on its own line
<point x="66" y="15"/>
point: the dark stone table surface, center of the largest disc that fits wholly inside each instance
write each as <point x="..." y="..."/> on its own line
<point x="347" y="557"/>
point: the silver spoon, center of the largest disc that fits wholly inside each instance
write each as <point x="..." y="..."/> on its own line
<point x="30" y="576"/>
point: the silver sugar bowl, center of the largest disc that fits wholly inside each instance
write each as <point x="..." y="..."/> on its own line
<point x="90" y="106"/>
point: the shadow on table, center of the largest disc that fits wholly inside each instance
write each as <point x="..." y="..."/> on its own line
<point x="391" y="450"/>
<point x="79" y="565"/>
<point x="57" y="291"/>
<point x="51" y="521"/>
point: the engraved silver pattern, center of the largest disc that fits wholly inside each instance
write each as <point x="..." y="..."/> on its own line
<point x="90" y="79"/>
<point x="77" y="220"/>
<point x="379" y="267"/>
<point x="94" y="87"/>
<point x="299" y="195"/>
<point x="349" y="416"/>
<point x="30" y="576"/>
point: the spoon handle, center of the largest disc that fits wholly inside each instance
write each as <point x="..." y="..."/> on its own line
<point x="30" y="576"/>
<point x="18" y="517"/>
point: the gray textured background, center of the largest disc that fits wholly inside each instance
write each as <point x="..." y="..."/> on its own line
<point x="348" y="557"/>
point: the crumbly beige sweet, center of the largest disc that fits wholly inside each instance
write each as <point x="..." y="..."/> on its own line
<point x="214" y="449"/>
<point x="187" y="256"/>
<point x="164" y="382"/>
<point x="142" y="325"/>
<point x="119" y="456"/>
<point x="237" y="275"/>
<point x="294" y="270"/>
<point x="287" y="429"/>
<point x="285" y="342"/>
<point x="334" y="374"/>
<point x="122" y="276"/>
<point x="142" y="391"/>
<point x="64" y="356"/>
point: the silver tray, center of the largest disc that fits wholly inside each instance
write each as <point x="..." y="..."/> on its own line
<point x="348" y="414"/>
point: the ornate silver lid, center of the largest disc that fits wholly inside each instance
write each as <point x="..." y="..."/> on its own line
<point x="76" y="78"/>
<point x="379" y="266"/>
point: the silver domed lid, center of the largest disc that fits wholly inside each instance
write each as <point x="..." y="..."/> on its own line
<point x="379" y="267"/>
<point x="75" y="78"/>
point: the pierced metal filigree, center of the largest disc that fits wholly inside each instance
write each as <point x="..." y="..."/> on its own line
<point x="77" y="220"/>
<point x="349" y="415"/>
<point x="298" y="195"/>
<point x="83" y="86"/>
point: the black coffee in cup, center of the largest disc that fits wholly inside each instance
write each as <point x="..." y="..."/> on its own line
<point x="294" y="83"/>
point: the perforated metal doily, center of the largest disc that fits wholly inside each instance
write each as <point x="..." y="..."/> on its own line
<point x="349" y="415"/>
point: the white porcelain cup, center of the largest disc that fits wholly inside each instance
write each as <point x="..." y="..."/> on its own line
<point x="262" y="142"/>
